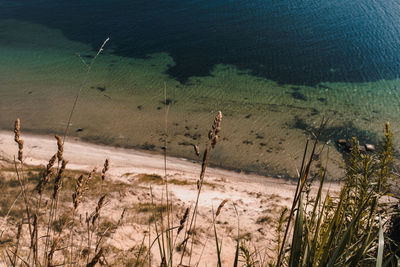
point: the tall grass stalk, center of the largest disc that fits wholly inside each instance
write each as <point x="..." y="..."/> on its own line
<point x="88" y="69"/>
<point x="213" y="136"/>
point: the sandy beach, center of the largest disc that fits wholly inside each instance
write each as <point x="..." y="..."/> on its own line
<point x="259" y="200"/>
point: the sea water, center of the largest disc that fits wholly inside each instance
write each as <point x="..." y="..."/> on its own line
<point x="274" y="68"/>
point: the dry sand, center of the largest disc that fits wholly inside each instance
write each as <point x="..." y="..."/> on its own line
<point x="258" y="199"/>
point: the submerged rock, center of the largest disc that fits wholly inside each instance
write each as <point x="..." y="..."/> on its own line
<point x="342" y="142"/>
<point x="369" y="147"/>
<point x="347" y="146"/>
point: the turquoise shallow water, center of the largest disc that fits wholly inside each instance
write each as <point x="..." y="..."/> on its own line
<point x="265" y="123"/>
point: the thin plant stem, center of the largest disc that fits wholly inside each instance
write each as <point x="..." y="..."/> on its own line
<point x="89" y="68"/>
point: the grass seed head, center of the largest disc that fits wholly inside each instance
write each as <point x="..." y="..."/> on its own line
<point x="46" y="174"/>
<point x="17" y="132"/>
<point x="105" y="169"/>
<point x="100" y="204"/>
<point x="183" y="220"/>
<point x="60" y="145"/>
<point x="220" y="207"/>
<point x="213" y="134"/>
<point x="57" y="181"/>
<point x="78" y="192"/>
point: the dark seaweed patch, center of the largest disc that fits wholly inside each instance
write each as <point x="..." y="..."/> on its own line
<point x="299" y="123"/>
<point x="324" y="86"/>
<point x="345" y="131"/>
<point x="299" y="96"/>
<point x="147" y="146"/>
<point x="185" y="144"/>
<point x="168" y="101"/>
<point x="100" y="88"/>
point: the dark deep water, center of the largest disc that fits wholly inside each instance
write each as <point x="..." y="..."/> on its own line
<point x="289" y="41"/>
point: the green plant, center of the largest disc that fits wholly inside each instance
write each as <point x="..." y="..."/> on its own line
<point x="344" y="230"/>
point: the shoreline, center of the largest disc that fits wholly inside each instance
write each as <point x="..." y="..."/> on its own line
<point x="39" y="148"/>
<point x="51" y="144"/>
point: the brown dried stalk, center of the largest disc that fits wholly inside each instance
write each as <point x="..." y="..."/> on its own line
<point x="46" y="175"/>
<point x="121" y="217"/>
<point x="96" y="258"/>
<point x="51" y="252"/>
<point x="60" y="146"/>
<point x="57" y="181"/>
<point x="196" y="149"/>
<point x="34" y="237"/>
<point x="183" y="220"/>
<point x="105" y="169"/>
<point x="20" y="142"/>
<point x="87" y="180"/>
<point x="14" y="262"/>
<point x="78" y="192"/>
<point x="98" y="208"/>
<point x="213" y="136"/>
<point x="220" y="207"/>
